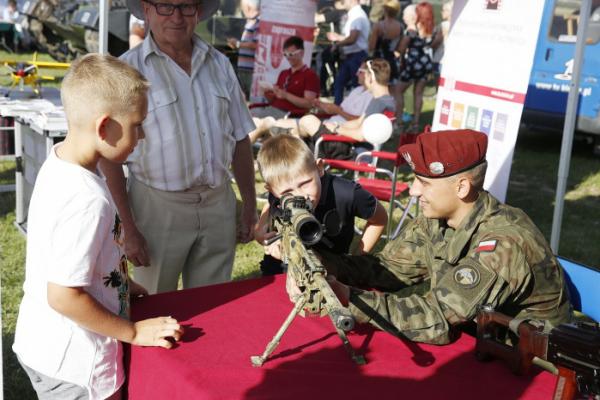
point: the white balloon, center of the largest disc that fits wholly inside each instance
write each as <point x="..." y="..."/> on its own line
<point x="377" y="128"/>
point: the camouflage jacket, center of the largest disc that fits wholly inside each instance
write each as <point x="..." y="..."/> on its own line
<point x="433" y="277"/>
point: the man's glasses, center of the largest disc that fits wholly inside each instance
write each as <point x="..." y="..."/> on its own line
<point x="167" y="9"/>
<point x="289" y="54"/>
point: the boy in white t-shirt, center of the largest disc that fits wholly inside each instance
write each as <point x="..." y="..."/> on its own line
<point x="75" y="309"/>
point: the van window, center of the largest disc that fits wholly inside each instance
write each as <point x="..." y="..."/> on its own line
<point x="565" y="21"/>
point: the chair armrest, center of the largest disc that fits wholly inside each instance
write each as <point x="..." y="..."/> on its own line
<point x="338" y="138"/>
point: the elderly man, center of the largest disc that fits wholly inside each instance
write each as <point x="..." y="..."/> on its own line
<point x="179" y="212"/>
<point x="465" y="249"/>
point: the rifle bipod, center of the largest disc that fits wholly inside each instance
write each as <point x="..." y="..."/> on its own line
<point x="258" y="361"/>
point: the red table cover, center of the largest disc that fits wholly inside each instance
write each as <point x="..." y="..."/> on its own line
<point x="226" y="324"/>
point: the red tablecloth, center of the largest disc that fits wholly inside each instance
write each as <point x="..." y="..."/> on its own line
<point x="226" y="324"/>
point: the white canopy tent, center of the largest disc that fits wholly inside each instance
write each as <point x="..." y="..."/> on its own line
<point x="103" y="27"/>
<point x="569" y="126"/>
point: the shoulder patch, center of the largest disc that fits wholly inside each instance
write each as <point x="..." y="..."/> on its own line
<point x="467" y="277"/>
<point x="487" y="245"/>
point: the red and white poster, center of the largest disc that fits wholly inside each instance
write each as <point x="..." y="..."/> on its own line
<point x="280" y="19"/>
<point x="485" y="73"/>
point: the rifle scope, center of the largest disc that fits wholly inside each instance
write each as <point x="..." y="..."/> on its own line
<point x="297" y="210"/>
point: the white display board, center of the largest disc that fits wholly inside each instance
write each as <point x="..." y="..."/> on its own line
<point x="280" y="19"/>
<point x="487" y="62"/>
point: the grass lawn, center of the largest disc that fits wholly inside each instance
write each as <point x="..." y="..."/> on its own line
<point x="532" y="185"/>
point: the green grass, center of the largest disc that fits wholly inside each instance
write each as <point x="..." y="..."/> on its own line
<point x="531" y="187"/>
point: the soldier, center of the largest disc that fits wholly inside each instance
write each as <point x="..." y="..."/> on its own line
<point x="465" y="249"/>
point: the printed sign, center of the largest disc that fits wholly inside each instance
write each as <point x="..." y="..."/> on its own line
<point x="280" y="19"/>
<point x="487" y="62"/>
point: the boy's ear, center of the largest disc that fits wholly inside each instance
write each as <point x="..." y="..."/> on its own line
<point x="102" y="126"/>
<point x="321" y="166"/>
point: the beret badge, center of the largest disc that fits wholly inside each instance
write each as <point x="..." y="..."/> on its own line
<point x="436" y="168"/>
<point x="408" y="159"/>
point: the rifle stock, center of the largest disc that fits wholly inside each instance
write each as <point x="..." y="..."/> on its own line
<point x="573" y="348"/>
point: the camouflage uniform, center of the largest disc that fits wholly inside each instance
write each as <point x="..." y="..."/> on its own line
<point x="434" y="277"/>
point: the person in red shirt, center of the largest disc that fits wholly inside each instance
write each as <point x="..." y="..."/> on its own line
<point x="296" y="88"/>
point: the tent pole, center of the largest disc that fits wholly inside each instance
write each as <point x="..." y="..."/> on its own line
<point x="569" y="127"/>
<point x="103" y="27"/>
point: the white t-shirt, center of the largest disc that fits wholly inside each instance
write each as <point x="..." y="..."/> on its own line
<point x="357" y="20"/>
<point x="74" y="239"/>
<point x="355" y="103"/>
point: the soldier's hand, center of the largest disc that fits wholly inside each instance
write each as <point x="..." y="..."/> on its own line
<point x="156" y="332"/>
<point x="341" y="291"/>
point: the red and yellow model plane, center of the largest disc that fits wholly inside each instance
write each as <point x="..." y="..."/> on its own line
<point x="27" y="73"/>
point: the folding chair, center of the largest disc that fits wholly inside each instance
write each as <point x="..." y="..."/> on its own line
<point x="389" y="190"/>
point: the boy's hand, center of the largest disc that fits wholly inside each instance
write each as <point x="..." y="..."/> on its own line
<point x="273" y="249"/>
<point x="292" y="289"/>
<point x="136" y="248"/>
<point x="155" y="331"/>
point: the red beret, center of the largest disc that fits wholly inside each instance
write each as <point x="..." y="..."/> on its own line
<point x="445" y="153"/>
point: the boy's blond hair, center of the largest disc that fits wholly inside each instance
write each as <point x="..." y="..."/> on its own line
<point x="97" y="84"/>
<point x="283" y="157"/>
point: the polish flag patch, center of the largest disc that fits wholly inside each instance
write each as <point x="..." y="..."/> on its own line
<point x="488" y="245"/>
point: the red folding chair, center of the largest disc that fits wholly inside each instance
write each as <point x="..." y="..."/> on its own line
<point x="390" y="189"/>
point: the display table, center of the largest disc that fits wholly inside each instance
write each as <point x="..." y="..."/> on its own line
<point x="226" y="324"/>
<point x="38" y="124"/>
<point x="32" y="146"/>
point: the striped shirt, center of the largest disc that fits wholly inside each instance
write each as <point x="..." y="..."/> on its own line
<point x="194" y="121"/>
<point x="246" y="55"/>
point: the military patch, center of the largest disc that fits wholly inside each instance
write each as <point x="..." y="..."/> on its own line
<point x="467" y="277"/>
<point x="436" y="168"/>
<point x="408" y="159"/>
<point x="487" y="245"/>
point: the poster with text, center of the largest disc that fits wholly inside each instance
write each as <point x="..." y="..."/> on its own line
<point x="485" y="73"/>
<point x="280" y="19"/>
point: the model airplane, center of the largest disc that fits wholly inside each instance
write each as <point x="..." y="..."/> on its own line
<point x="27" y="73"/>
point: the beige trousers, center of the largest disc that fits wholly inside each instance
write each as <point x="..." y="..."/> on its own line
<point x="190" y="232"/>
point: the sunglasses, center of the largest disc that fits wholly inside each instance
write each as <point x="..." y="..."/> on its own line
<point x="289" y="54"/>
<point x="370" y="69"/>
<point x="167" y="9"/>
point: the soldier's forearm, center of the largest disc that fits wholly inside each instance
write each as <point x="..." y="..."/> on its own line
<point x="413" y="317"/>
